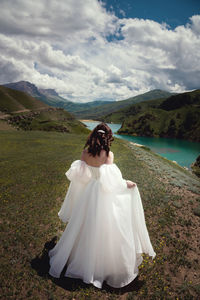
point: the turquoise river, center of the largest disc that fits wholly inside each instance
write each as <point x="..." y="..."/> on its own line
<point x="181" y="151"/>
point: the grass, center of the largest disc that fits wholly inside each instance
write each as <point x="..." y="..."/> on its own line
<point x="33" y="186"/>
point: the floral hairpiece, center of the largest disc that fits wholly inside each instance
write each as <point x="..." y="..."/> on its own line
<point x="100" y="130"/>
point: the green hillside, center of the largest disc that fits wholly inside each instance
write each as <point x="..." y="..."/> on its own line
<point x="23" y="112"/>
<point x="12" y="100"/>
<point x="108" y="108"/>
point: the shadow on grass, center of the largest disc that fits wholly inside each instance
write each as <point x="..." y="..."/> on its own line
<point x="41" y="264"/>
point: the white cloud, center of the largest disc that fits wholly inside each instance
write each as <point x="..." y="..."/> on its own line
<point x="67" y="45"/>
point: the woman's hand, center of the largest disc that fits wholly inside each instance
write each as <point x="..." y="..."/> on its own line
<point x="130" y="184"/>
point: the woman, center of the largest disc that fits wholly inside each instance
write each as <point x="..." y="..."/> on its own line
<point x="106" y="231"/>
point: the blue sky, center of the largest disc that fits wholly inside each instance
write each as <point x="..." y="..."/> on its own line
<point x="89" y="49"/>
<point x="172" y="12"/>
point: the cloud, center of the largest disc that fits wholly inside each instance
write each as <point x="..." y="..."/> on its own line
<point x="66" y="45"/>
<point x="53" y="19"/>
<point x="114" y="75"/>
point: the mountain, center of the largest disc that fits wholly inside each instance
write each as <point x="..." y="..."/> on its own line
<point x="88" y="110"/>
<point x="25" y="112"/>
<point x="176" y="117"/>
<point x="52" y="98"/>
<point x="48" y="96"/>
<point x="24" y="86"/>
<point x="108" y="108"/>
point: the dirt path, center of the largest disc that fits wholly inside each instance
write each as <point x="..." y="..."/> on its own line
<point x="6" y="115"/>
<point x="28" y="110"/>
<point x="20" y="111"/>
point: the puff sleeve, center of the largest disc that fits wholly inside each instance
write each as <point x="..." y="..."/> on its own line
<point x="111" y="178"/>
<point x="79" y="171"/>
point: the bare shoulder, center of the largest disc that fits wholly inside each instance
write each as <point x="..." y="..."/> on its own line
<point x="110" y="158"/>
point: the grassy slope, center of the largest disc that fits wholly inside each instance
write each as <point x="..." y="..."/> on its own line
<point x="33" y="186"/>
<point x="12" y="100"/>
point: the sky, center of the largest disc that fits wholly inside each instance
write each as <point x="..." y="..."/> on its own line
<point x="101" y="50"/>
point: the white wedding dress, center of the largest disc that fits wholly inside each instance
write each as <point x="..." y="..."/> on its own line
<point x="106" y="231"/>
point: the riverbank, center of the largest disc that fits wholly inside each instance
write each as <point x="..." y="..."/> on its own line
<point x="89" y="121"/>
<point x="33" y="186"/>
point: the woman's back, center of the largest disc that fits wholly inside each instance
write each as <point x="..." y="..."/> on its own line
<point x="97" y="160"/>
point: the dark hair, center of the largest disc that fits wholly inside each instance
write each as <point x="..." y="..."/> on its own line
<point x="99" y="139"/>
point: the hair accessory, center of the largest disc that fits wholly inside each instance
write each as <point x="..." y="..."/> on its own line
<point x="102" y="131"/>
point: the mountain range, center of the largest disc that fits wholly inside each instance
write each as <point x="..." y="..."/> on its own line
<point x="52" y="98"/>
<point x="89" y="110"/>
